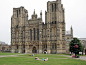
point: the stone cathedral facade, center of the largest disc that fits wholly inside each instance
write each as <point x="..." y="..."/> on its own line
<point x="33" y="36"/>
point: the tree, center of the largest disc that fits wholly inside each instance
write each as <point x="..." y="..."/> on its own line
<point x="82" y="49"/>
<point x="75" y="46"/>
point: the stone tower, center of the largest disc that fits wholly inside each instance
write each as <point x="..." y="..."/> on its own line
<point x="55" y="20"/>
<point x="18" y="22"/>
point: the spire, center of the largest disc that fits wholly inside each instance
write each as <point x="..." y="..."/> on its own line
<point x="34" y="11"/>
<point x="71" y="27"/>
<point x="41" y="12"/>
<point x="71" y="31"/>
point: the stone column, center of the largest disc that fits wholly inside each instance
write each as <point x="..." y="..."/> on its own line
<point x="48" y="47"/>
<point x="40" y="47"/>
<point x="13" y="49"/>
<point x="20" y="48"/>
<point x="26" y="47"/>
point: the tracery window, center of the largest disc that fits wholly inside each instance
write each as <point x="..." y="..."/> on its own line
<point x="17" y="13"/>
<point x="34" y="33"/>
<point x="30" y="34"/>
<point x="54" y="46"/>
<point x="37" y="34"/>
<point x="55" y="7"/>
<point x="52" y="7"/>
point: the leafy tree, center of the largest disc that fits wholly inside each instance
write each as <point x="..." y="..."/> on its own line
<point x="75" y="46"/>
<point x="82" y="48"/>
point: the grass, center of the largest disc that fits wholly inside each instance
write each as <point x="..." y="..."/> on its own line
<point x="54" y="59"/>
<point x="46" y="55"/>
<point x="8" y="53"/>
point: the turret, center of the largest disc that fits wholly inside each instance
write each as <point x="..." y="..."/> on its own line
<point x="71" y="31"/>
<point x="34" y="16"/>
<point x="34" y="11"/>
<point x="41" y="14"/>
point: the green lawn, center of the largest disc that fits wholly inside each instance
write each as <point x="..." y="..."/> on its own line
<point x="54" y="59"/>
<point x="8" y="53"/>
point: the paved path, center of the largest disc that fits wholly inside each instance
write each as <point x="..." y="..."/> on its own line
<point x="81" y="57"/>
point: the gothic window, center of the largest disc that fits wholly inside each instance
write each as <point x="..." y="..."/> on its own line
<point x="55" y="22"/>
<point x="17" y="46"/>
<point x="55" y="7"/>
<point x="52" y="46"/>
<point x="17" y="26"/>
<point x="30" y="34"/>
<point x="55" y="46"/>
<point x="37" y="34"/>
<point x="46" y="45"/>
<point x="52" y="7"/>
<point x="23" y="46"/>
<point x="17" y="13"/>
<point x="34" y="33"/>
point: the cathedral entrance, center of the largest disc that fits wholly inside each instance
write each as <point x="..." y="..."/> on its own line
<point x="45" y="51"/>
<point x="34" y="50"/>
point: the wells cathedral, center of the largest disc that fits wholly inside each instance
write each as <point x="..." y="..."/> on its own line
<point x="33" y="36"/>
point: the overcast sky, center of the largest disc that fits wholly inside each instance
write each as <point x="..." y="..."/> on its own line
<point x="75" y="15"/>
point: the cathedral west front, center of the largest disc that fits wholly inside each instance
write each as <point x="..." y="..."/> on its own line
<point x="33" y="36"/>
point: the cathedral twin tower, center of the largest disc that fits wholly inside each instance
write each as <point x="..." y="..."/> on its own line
<point x="33" y="36"/>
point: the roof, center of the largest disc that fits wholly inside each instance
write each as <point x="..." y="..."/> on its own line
<point x="3" y="43"/>
<point x="78" y="38"/>
<point x="82" y="39"/>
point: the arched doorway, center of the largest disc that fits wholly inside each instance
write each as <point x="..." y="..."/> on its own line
<point x="23" y="51"/>
<point x="16" y="50"/>
<point x="45" y="51"/>
<point x="85" y="51"/>
<point x="34" y="50"/>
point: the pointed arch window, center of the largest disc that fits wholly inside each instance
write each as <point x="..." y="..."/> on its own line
<point x="34" y="33"/>
<point x="52" y="46"/>
<point x="17" y="13"/>
<point x="30" y="34"/>
<point x="17" y="46"/>
<point x="37" y="34"/>
<point x="52" y="7"/>
<point x="55" y="7"/>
